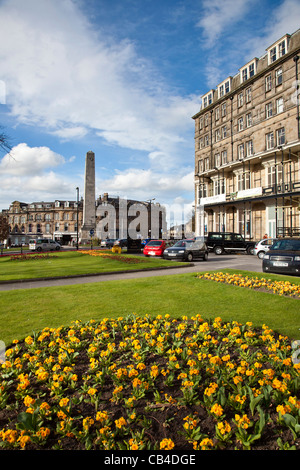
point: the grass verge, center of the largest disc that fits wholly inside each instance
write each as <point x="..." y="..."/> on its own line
<point x="23" y="311"/>
<point x="73" y="263"/>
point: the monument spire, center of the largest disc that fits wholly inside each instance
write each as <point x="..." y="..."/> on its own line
<point x="89" y="206"/>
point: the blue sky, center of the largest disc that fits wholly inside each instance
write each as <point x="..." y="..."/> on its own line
<point x="122" y="78"/>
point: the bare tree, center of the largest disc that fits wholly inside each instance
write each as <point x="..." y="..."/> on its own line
<point x="4" y="228"/>
<point x="4" y="141"/>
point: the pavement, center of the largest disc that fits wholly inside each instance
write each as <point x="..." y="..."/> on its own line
<point x="215" y="262"/>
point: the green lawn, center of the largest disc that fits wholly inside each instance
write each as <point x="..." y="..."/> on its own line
<point x="24" y="311"/>
<point x="74" y="263"/>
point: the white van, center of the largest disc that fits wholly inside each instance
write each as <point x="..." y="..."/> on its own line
<point x="43" y="244"/>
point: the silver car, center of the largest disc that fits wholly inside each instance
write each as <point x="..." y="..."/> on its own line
<point x="263" y="246"/>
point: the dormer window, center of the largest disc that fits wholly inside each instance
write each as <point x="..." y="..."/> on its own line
<point x="278" y="49"/>
<point x="248" y="71"/>
<point x="224" y="88"/>
<point x="207" y="99"/>
<point x="57" y="204"/>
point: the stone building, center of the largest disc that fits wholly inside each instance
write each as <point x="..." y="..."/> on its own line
<point x="247" y="143"/>
<point x="56" y="220"/>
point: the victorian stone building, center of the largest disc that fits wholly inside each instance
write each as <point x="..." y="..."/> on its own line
<point x="56" y="220"/>
<point x="247" y="148"/>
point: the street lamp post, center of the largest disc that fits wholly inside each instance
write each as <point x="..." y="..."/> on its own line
<point x="150" y="201"/>
<point x="77" y="217"/>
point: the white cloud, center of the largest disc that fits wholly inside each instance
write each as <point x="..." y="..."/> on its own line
<point x="219" y="15"/>
<point x="71" y="80"/>
<point x="25" y="160"/>
<point x="136" y="183"/>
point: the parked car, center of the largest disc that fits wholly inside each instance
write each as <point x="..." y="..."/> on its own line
<point x="108" y="242"/>
<point x="283" y="257"/>
<point x="44" y="244"/>
<point x="121" y="242"/>
<point x="187" y="250"/>
<point x="226" y="242"/>
<point x="263" y="246"/>
<point x="155" y="248"/>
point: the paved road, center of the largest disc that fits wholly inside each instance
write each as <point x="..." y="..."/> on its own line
<point x="248" y="262"/>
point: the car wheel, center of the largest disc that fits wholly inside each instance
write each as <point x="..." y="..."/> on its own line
<point x="39" y="249"/>
<point x="190" y="257"/>
<point x="205" y="257"/>
<point x="261" y="254"/>
<point x="218" y="250"/>
<point x="250" y="250"/>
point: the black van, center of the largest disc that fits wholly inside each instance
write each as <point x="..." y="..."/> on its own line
<point x="226" y="242"/>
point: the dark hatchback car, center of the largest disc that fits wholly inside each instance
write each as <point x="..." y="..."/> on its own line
<point x="283" y="257"/>
<point x="187" y="250"/>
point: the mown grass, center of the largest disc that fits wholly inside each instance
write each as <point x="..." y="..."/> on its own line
<point x="73" y="263"/>
<point x="24" y="311"/>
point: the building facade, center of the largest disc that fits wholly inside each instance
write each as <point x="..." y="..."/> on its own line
<point x="247" y="148"/>
<point x="114" y="218"/>
<point x="56" y="220"/>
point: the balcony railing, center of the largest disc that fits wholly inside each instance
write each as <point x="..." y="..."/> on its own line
<point x="257" y="192"/>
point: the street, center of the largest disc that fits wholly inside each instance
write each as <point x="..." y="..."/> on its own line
<point x="215" y="262"/>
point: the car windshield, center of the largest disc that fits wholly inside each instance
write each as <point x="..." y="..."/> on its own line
<point x="183" y="243"/>
<point x="292" y="245"/>
<point x="154" y="243"/>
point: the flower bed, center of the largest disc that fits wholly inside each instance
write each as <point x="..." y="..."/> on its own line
<point x="276" y="287"/>
<point x="30" y="257"/>
<point x="115" y="256"/>
<point x="150" y="383"/>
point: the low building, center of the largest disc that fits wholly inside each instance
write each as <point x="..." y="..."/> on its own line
<point x="57" y="220"/>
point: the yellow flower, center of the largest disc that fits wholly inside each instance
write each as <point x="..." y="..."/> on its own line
<point x="120" y="422"/>
<point x="166" y="444"/>
<point x="217" y="409"/>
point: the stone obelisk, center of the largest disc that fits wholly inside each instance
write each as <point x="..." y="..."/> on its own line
<point x="89" y="206"/>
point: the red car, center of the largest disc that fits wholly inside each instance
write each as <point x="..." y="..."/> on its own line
<point x="155" y="248"/>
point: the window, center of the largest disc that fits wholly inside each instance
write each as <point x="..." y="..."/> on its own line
<point x="217" y="160"/>
<point x="66" y="216"/>
<point x="241" y="152"/>
<point x="201" y="123"/>
<point x="224" y="132"/>
<point x="207" y="100"/>
<point x="206" y="141"/>
<point x="206" y="163"/>
<point x="217" y="113"/>
<point x="248" y="95"/>
<point x="273" y="55"/>
<point x="278" y="77"/>
<point x="66" y="227"/>
<point x="240" y="100"/>
<point x="57" y="227"/>
<point x="202" y="190"/>
<point x="240" y="124"/>
<point x="248" y="71"/>
<point x="206" y="120"/>
<point x="57" y="203"/>
<point x="201" y="143"/>
<point x="270" y="140"/>
<point x="281" y="136"/>
<point x="249" y="148"/>
<point x="30" y="228"/>
<point x="249" y="120"/>
<point x="224" y="88"/>
<point x="273" y="174"/>
<point x="223" y="109"/>
<point x="224" y="157"/>
<point x="201" y="166"/>
<point x="47" y="216"/>
<point x="279" y="105"/>
<point x="268" y="82"/>
<point x="217" y="135"/>
<point x="38" y="228"/>
<point x="278" y="50"/>
<point x="281" y="48"/>
<point x="47" y="228"/>
<point x="268" y="110"/>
